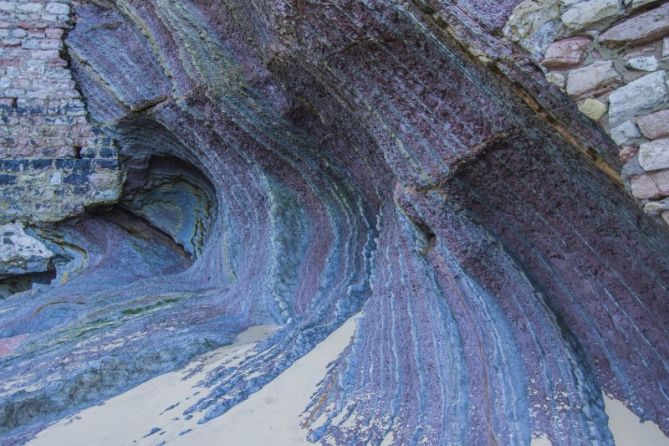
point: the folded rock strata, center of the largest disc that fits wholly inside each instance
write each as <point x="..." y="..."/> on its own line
<point x="295" y="163"/>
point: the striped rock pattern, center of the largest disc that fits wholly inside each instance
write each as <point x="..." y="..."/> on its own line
<point x="335" y="157"/>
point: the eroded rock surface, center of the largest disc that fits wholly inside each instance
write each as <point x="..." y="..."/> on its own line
<point x="294" y="163"/>
<point x="21" y="253"/>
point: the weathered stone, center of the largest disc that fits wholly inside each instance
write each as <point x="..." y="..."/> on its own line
<point x="639" y="96"/>
<point x="584" y="14"/>
<point x="593" y="77"/>
<point x="642" y="28"/>
<point x="566" y="53"/>
<point x="654" y="155"/>
<point x="29" y="7"/>
<point x="665" y="47"/>
<point x="534" y="24"/>
<point x="593" y="109"/>
<point x="642" y="63"/>
<point x="58" y="8"/>
<point x="624" y="132"/>
<point x="626" y="153"/>
<point x="632" y="168"/>
<point x="651" y="185"/>
<point x="656" y="207"/>
<point x="21" y="253"/>
<point x="655" y="125"/>
<point x="556" y="79"/>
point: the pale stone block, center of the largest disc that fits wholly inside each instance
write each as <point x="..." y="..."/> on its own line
<point x="592" y="77"/>
<point x="593" y="109"/>
<point x="637" y="97"/>
<point x="581" y="15"/>
<point x="654" y="155"/>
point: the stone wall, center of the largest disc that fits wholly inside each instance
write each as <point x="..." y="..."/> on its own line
<point x="53" y="162"/>
<point x="612" y="58"/>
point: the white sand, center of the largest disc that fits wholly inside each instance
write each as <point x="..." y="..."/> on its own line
<point x="626" y="427"/>
<point x="269" y="417"/>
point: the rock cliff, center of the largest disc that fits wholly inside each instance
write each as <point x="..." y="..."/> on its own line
<point x="224" y="164"/>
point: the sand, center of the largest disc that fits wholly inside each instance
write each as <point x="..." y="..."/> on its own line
<point x="269" y="417"/>
<point x="626" y="427"/>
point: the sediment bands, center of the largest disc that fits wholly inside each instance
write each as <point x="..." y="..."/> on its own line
<point x="311" y="160"/>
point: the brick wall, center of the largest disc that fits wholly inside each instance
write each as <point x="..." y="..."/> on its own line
<point x="612" y="58"/>
<point x="53" y="162"/>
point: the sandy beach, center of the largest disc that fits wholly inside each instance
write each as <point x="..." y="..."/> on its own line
<point x="151" y="413"/>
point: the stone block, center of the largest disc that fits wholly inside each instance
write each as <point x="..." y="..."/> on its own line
<point x="30" y="7"/>
<point x="556" y="79"/>
<point x="534" y="24"/>
<point x="651" y="185"/>
<point x="76" y="179"/>
<point x="624" y="133"/>
<point x="657" y="207"/>
<point x="108" y="152"/>
<point x="58" y="8"/>
<point x="54" y="33"/>
<point x="632" y="168"/>
<point x="654" y="155"/>
<point x="593" y="109"/>
<point x="585" y="14"/>
<point x="45" y="54"/>
<point x="14" y="93"/>
<point x="566" y="53"/>
<point x="642" y="63"/>
<point x="626" y="153"/>
<point x="592" y="77"/>
<point x="655" y="125"/>
<point x="30" y="44"/>
<point x="637" y="97"/>
<point x="20" y="253"/>
<point x="49" y="44"/>
<point x="41" y="163"/>
<point x="110" y="163"/>
<point x="643" y="28"/>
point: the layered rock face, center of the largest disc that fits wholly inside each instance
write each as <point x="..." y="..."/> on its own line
<point x="296" y="163"/>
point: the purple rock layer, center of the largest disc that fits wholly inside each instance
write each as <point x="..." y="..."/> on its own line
<point x="295" y="163"/>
